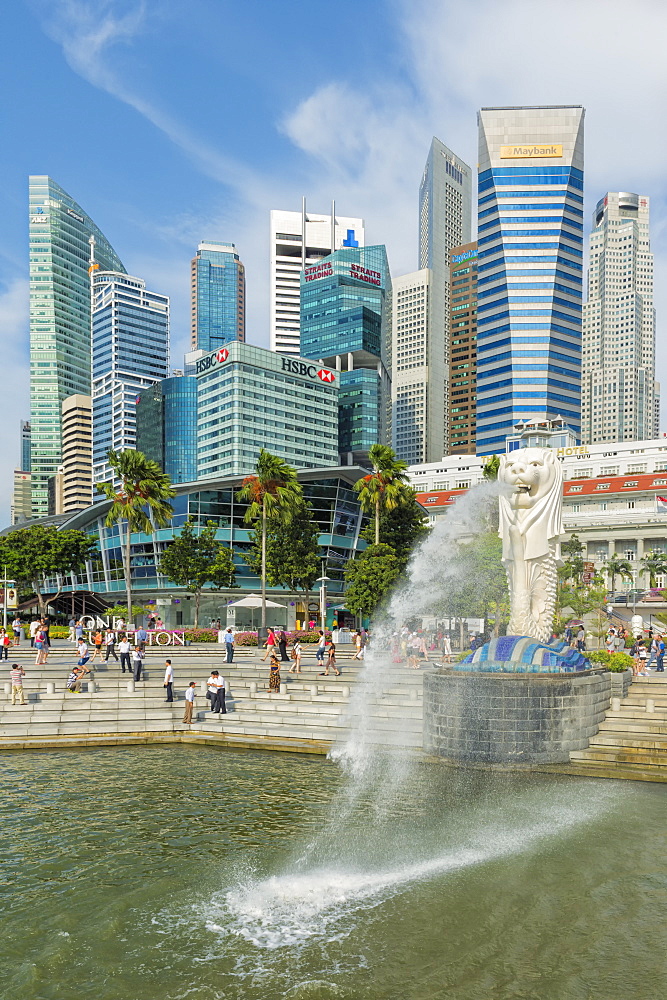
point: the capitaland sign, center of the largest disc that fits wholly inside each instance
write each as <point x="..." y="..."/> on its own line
<point x="535" y="151"/>
<point x="458" y="258"/>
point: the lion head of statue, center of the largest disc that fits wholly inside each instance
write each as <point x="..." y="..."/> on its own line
<point x="530" y="474"/>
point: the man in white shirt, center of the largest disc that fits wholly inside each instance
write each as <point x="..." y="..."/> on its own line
<point x="34" y="625"/>
<point x="124" y="648"/>
<point x="216" y="687"/>
<point x="83" y="652"/>
<point x="190" y="692"/>
<point x="169" y="680"/>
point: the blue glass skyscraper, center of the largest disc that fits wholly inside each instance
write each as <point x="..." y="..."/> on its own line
<point x="130" y="336"/>
<point x="345" y="323"/>
<point x="530" y="269"/>
<point x="166" y="417"/>
<point x="217" y="280"/>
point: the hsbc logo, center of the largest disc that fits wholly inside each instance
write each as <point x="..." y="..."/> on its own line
<point x="222" y="355"/>
<point x="311" y="371"/>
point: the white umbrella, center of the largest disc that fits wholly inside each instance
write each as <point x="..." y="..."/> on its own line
<point x="253" y="601"/>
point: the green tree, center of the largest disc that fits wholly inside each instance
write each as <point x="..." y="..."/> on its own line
<point x="402" y="527"/>
<point x="381" y="489"/>
<point x="654" y="563"/>
<point x="195" y="558"/>
<point x="272" y="493"/>
<point x="141" y="501"/>
<point x="572" y="569"/>
<point x="617" y="567"/>
<point x="293" y="557"/>
<point x="490" y="468"/>
<point x="33" y="554"/>
<point x="370" y="577"/>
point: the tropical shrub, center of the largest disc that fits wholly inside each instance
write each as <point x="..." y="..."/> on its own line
<point x="615" y="662"/>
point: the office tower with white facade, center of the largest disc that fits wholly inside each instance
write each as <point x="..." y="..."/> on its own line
<point x="445" y="207"/>
<point x="77" y="486"/>
<point x="300" y="239"/>
<point x="618" y="390"/>
<point x="217" y="296"/>
<point x="418" y="417"/>
<point x="59" y="319"/>
<point x="130" y="335"/>
<point x="530" y="268"/>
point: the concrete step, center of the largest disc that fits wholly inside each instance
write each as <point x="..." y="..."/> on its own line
<point x="622" y="756"/>
<point x="643" y="740"/>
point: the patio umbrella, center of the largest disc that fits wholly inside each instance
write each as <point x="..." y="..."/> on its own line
<point x="253" y="601"/>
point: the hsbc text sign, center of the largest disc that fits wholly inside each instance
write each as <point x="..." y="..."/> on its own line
<point x="292" y="365"/>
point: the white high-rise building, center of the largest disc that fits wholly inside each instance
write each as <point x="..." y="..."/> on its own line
<point x="297" y="240"/>
<point x="445" y="206"/>
<point x="618" y="384"/>
<point x="418" y="372"/>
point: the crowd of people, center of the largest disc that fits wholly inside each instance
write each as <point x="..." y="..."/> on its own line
<point x="643" y="649"/>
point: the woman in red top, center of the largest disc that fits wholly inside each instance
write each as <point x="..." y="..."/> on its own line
<point x="270" y="644"/>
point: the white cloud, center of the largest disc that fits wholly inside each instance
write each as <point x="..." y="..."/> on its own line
<point x="15" y="383"/>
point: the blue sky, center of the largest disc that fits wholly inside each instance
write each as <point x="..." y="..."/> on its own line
<point x="173" y="122"/>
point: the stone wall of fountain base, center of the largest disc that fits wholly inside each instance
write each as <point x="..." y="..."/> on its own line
<point x="520" y="718"/>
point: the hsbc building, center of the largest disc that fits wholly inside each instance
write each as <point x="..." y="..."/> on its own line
<point x="250" y="398"/>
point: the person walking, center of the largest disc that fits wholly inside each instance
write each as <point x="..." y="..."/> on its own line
<point x="34" y="625"/>
<point x="4" y="644"/>
<point x="16" y="628"/>
<point x="282" y="646"/>
<point x="274" y="674"/>
<point x="190" y="695"/>
<point x="359" y="646"/>
<point x="40" y="646"/>
<point x="169" y="680"/>
<point x="296" y="656"/>
<point x="141" y="638"/>
<point x="137" y="662"/>
<point x="216" y="689"/>
<point x="78" y="631"/>
<point x="82" y="651"/>
<point x="270" y="644"/>
<point x="71" y="624"/>
<point x="16" y="675"/>
<point x="96" y="640"/>
<point x="110" y="643"/>
<point x="229" y="645"/>
<point x="331" y="662"/>
<point x="124" y="647"/>
<point x="660" y="669"/>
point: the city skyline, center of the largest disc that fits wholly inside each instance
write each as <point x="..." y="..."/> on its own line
<point x="410" y="71"/>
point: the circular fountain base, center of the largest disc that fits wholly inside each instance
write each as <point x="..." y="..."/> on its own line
<point x="512" y="718"/>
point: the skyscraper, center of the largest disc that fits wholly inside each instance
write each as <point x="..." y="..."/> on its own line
<point x="299" y="239"/>
<point x="77" y="482"/>
<point x="166" y="426"/>
<point x="217" y="296"/>
<point x="618" y="390"/>
<point x="530" y="262"/>
<point x="25" y="445"/>
<point x="417" y="425"/>
<point x="346" y="325"/>
<point x="130" y="352"/>
<point x="59" y="319"/>
<point x="445" y="197"/>
<point x="463" y="351"/>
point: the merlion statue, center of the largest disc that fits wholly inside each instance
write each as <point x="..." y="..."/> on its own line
<point x="530" y="527"/>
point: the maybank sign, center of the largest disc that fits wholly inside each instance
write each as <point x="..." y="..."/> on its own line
<point x="530" y="152"/>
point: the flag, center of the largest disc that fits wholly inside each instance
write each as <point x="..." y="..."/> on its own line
<point x="662" y="503"/>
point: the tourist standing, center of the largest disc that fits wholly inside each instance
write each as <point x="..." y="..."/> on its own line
<point x="274" y="673"/>
<point x="446" y="646"/>
<point x="359" y="646"/>
<point x="40" y="646"/>
<point x="581" y="639"/>
<point x="34" y="625"/>
<point x="270" y="644"/>
<point x="331" y="662"/>
<point x="16" y="628"/>
<point x="190" y="695"/>
<point x="229" y="645"/>
<point x="661" y="655"/>
<point x="137" y="662"/>
<point x="282" y="646"/>
<point x="321" y="649"/>
<point x="96" y="640"/>
<point x="82" y="650"/>
<point x="4" y="644"/>
<point x="16" y="675"/>
<point x="72" y="623"/>
<point x="110" y="642"/>
<point x="169" y="680"/>
<point x="216" y="689"/>
<point x="124" y="648"/>
<point x="78" y="631"/>
<point x="141" y="638"/>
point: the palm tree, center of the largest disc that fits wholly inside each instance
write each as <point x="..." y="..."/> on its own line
<point x="271" y="493"/>
<point x="141" y="500"/>
<point x="618" y="567"/>
<point x="382" y="488"/>
<point x="655" y="562"/>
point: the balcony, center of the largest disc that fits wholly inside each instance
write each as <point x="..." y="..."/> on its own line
<point x="614" y="519"/>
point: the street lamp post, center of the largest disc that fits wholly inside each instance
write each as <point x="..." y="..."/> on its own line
<point x="323" y="580"/>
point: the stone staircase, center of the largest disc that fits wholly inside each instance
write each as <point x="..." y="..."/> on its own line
<point x="311" y="712"/>
<point x="632" y="740"/>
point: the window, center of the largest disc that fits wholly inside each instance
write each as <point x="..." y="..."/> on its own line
<point x="631" y="504"/>
<point x="603" y="505"/>
<point x="576" y="508"/>
<point x="629" y="554"/>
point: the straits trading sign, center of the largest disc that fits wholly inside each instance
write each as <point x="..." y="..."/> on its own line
<point x="318" y="271"/>
<point x="530" y="152"/>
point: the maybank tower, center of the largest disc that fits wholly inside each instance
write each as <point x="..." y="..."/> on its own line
<point x="530" y="269"/>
